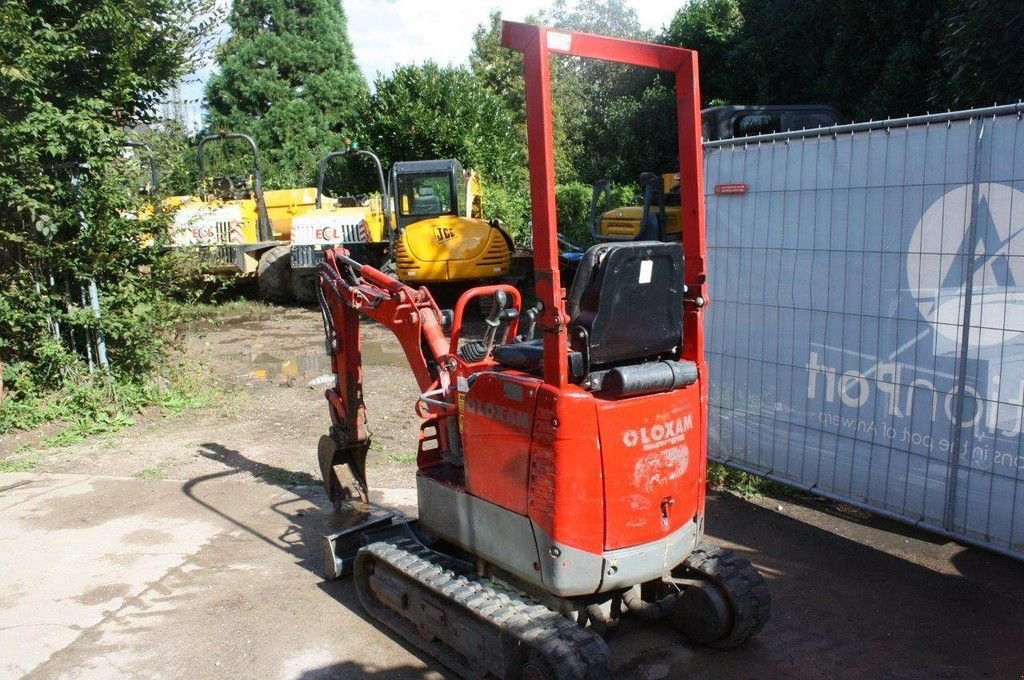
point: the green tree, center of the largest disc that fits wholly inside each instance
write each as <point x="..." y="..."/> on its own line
<point x="432" y="111"/>
<point x="74" y="75"/>
<point x="585" y="89"/>
<point x="711" y="27"/>
<point x="870" y="60"/>
<point x="288" y="78"/>
<point x="498" y="68"/>
<point x="981" y="57"/>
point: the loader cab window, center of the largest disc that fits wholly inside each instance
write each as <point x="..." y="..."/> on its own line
<point x="425" y="195"/>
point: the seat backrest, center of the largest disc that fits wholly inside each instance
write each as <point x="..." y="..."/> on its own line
<point x="426" y="202"/>
<point x="628" y="297"/>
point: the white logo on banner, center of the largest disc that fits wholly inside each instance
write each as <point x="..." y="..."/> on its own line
<point x="944" y="254"/>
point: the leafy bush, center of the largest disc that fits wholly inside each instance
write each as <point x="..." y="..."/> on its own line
<point x="75" y="76"/>
<point x="573" y="204"/>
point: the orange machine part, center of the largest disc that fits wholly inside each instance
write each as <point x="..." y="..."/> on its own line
<point x="497" y="413"/>
<point x="652" y="450"/>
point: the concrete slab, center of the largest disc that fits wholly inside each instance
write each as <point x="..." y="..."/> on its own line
<point x="111" y="578"/>
<point x="106" y="577"/>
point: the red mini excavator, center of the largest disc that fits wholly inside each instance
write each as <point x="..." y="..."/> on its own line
<point x="561" y="480"/>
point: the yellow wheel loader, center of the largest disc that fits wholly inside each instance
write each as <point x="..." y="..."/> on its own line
<point x="240" y="228"/>
<point x="441" y="235"/>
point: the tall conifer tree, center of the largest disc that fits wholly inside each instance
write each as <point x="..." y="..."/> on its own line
<point x="288" y="77"/>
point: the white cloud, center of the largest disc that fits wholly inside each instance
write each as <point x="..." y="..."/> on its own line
<point x="389" y="32"/>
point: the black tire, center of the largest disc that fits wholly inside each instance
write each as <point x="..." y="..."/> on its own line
<point x="274" y="275"/>
<point x="739" y="582"/>
<point x="304" y="285"/>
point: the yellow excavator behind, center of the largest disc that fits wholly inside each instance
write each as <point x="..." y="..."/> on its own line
<point x="441" y="234"/>
<point x="655" y="219"/>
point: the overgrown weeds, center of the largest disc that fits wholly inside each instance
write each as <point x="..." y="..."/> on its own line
<point x="96" y="404"/>
<point x="746" y="484"/>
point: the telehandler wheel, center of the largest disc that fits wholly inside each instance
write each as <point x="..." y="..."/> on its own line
<point x="274" y="274"/>
<point x="304" y="285"/>
<point x="730" y="607"/>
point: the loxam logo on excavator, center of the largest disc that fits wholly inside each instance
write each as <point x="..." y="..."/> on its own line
<point x="659" y="434"/>
<point x="509" y="416"/>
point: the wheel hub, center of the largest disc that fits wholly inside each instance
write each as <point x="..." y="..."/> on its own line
<point x="702" y="613"/>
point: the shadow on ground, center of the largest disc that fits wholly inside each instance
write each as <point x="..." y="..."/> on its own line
<point x="842" y="607"/>
<point x="302" y="539"/>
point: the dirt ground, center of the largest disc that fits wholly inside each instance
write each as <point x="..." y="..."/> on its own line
<point x="189" y="547"/>
<point x="265" y="407"/>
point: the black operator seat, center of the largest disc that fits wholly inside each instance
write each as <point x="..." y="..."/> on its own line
<point x="626" y="310"/>
<point x="426" y="202"/>
<point x="626" y="302"/>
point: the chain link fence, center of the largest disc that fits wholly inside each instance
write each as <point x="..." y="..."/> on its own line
<point x="866" y="331"/>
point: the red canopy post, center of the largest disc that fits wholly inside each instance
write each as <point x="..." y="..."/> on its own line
<point x="537" y="44"/>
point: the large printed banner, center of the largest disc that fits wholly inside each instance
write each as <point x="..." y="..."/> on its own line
<point x="866" y="325"/>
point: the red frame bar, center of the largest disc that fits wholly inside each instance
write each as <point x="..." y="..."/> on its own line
<point x="537" y="44"/>
<point x="472" y="294"/>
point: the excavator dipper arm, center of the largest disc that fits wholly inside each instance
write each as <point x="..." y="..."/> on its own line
<point x="349" y="289"/>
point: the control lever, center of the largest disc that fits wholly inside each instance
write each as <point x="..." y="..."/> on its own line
<point x="503" y="322"/>
<point x="493" y="320"/>
<point x="530" y="323"/>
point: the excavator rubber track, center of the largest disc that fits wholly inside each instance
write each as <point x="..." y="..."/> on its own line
<point x="475" y="627"/>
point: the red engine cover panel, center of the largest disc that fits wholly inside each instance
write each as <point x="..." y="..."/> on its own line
<point x="497" y="417"/>
<point x="566" y="480"/>
<point x="653" y="459"/>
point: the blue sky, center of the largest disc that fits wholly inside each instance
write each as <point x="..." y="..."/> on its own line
<point x="389" y="32"/>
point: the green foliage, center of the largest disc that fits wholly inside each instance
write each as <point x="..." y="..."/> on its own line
<point x="722" y="478"/>
<point x="76" y="75"/>
<point x="584" y="89"/>
<point x="21" y="462"/>
<point x="711" y="27"/>
<point x="748" y="485"/>
<point x="152" y="472"/>
<point x="90" y="405"/>
<point x="580" y="88"/>
<point x="981" y="57"/>
<point x="175" y="153"/>
<point x="498" y="68"/>
<point x="572" y="201"/>
<point x="289" y="79"/>
<point x="870" y="60"/>
<point x="431" y="111"/>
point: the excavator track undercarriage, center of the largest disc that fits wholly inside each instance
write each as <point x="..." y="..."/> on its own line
<point x="474" y="626"/>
